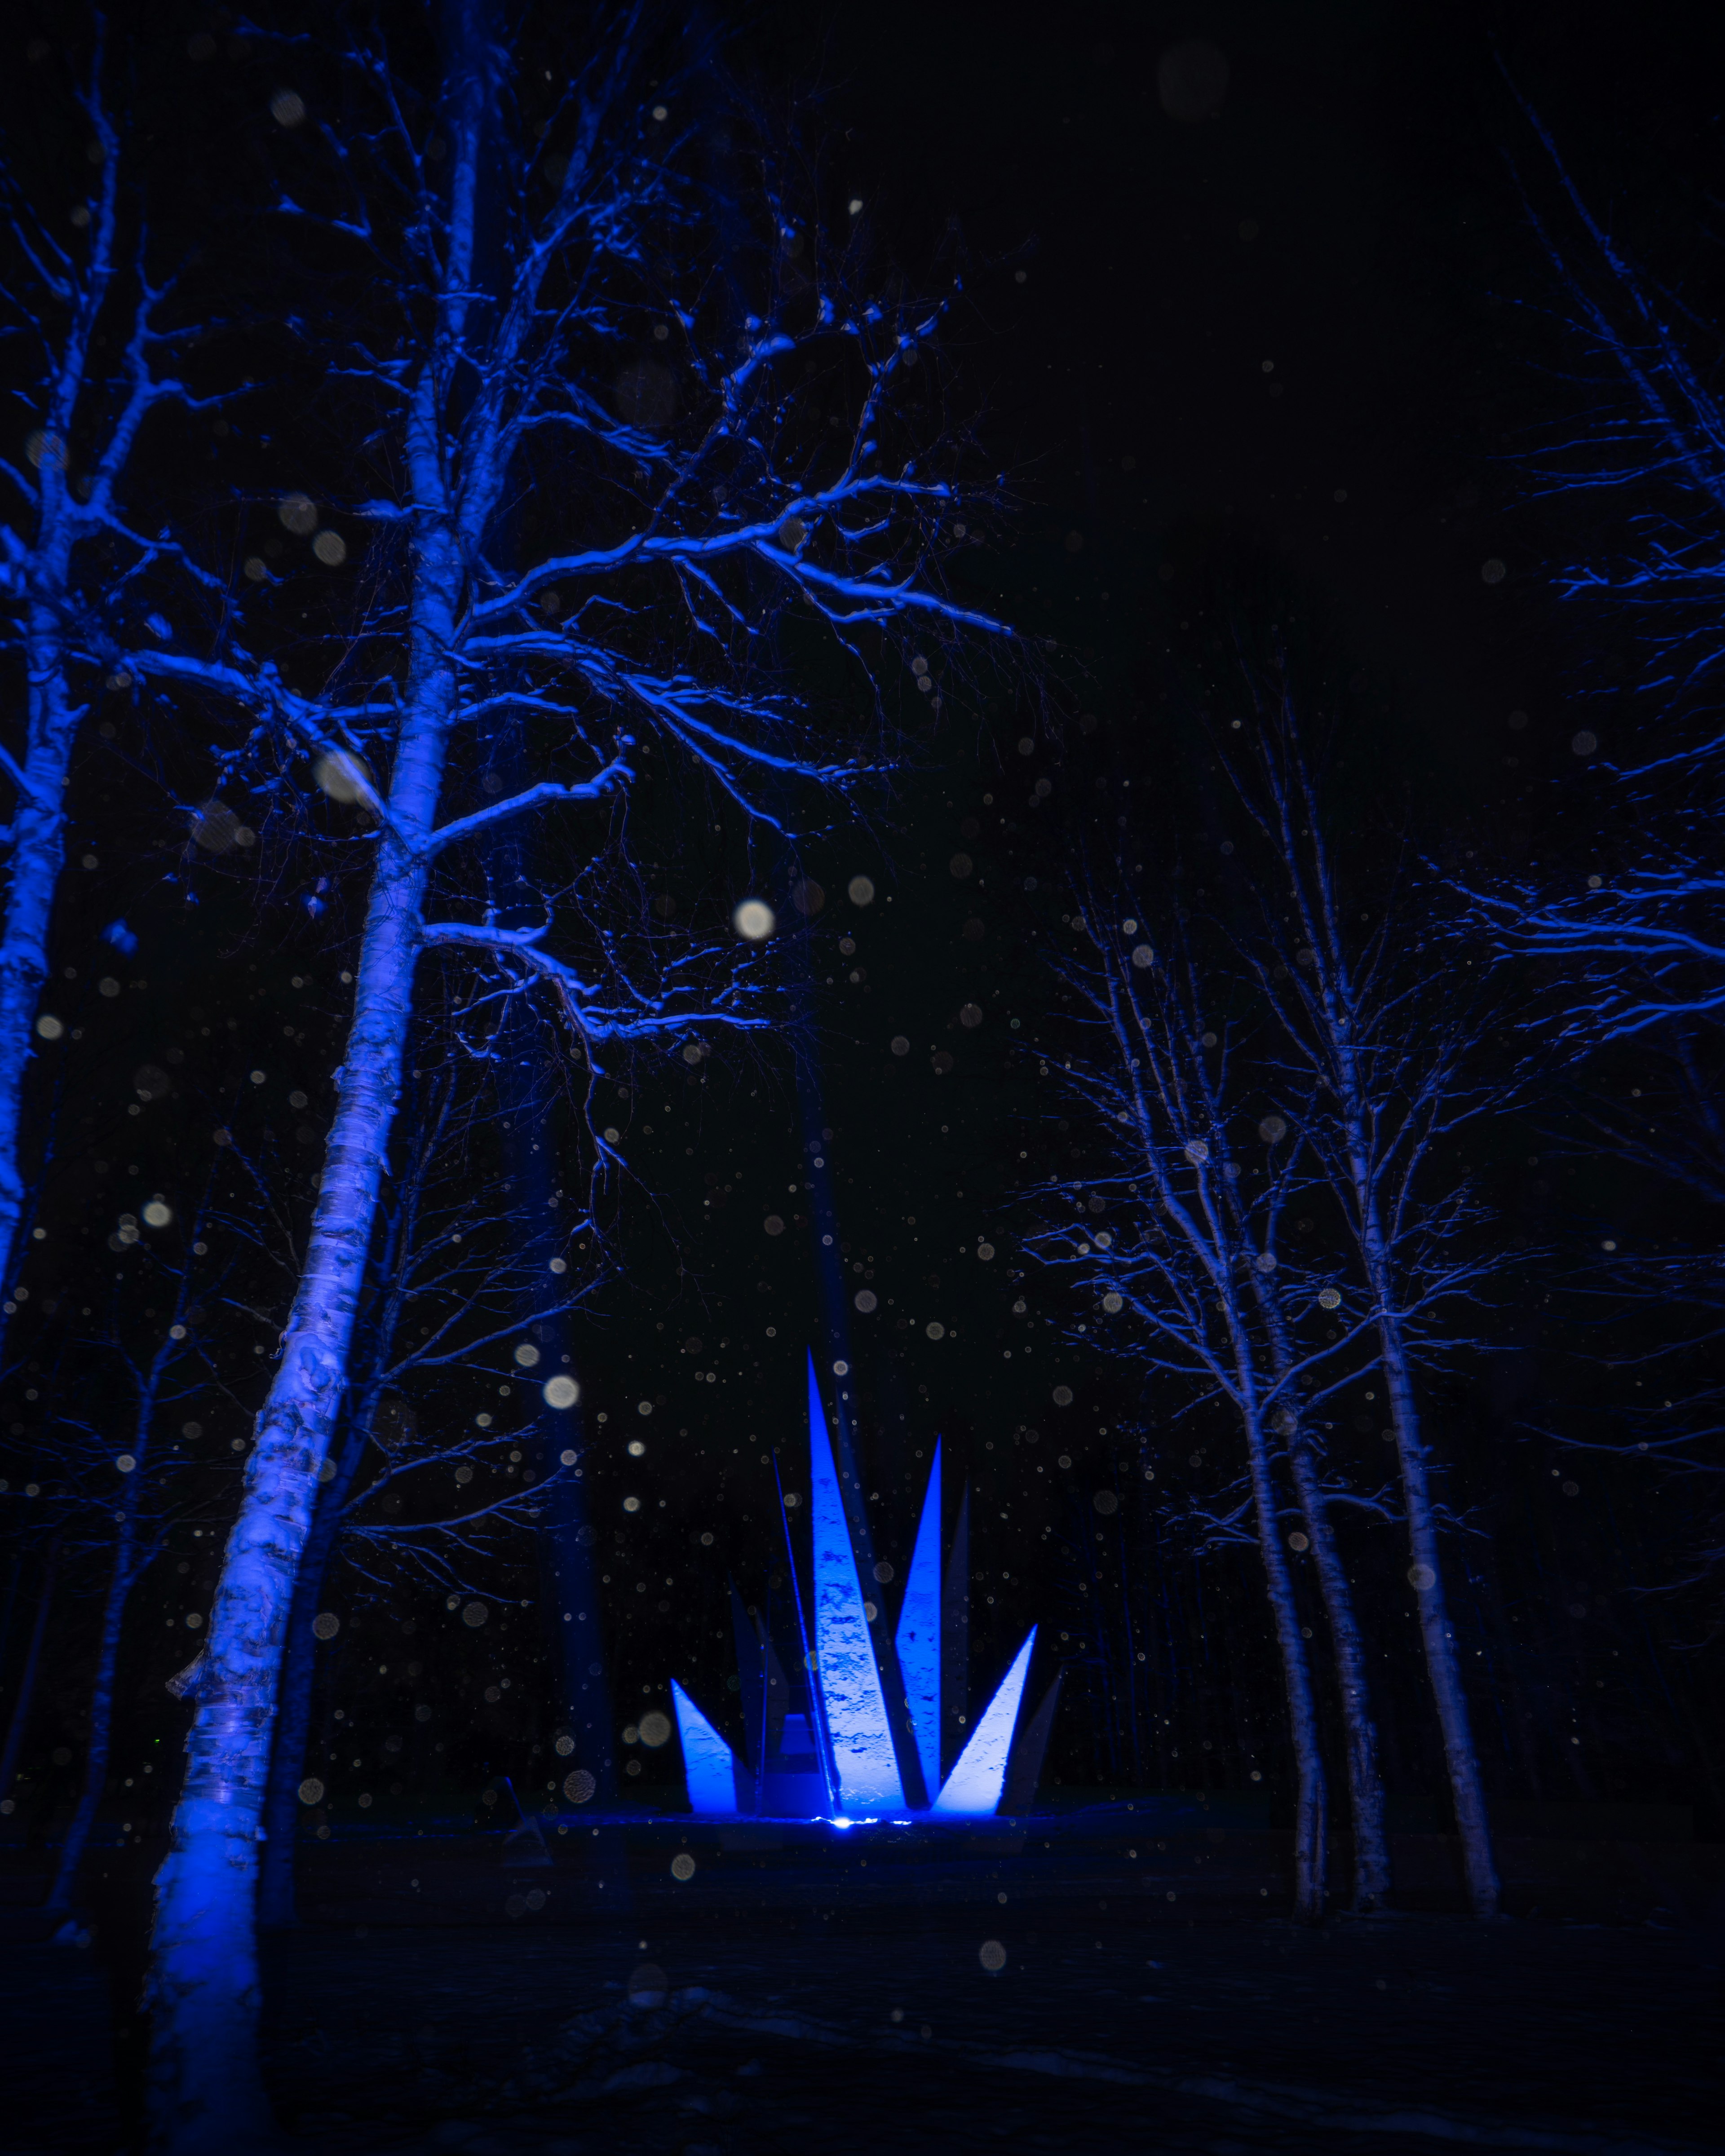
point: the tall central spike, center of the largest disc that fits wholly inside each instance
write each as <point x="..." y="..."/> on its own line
<point x="850" y="1681"/>
<point x="918" y="1638"/>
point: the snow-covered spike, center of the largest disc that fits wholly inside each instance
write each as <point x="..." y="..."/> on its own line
<point x="918" y="1637"/>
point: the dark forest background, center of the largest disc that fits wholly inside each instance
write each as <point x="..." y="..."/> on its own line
<point x="1283" y="370"/>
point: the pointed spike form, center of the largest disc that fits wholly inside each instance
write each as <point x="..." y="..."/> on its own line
<point x="709" y="1768"/>
<point x="1029" y="1749"/>
<point x="849" y="1681"/>
<point x="972" y="1789"/>
<point x="751" y="1681"/>
<point x="918" y="1637"/>
<point x="955" y="1641"/>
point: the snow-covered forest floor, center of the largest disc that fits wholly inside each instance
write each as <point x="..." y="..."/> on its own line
<point x="1115" y="2023"/>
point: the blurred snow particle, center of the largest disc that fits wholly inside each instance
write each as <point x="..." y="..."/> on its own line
<point x="935" y="1329"/>
<point x="1063" y="1396"/>
<point x="1329" y="1298"/>
<point x="901" y="1046"/>
<point x="1421" y="1578"/>
<point x="562" y="1393"/>
<point x="156" y="1214"/>
<point x="527" y="1355"/>
<point x="961" y="865"/>
<point x="326" y="1625"/>
<point x="287" y="108"/>
<point x="311" y="1790"/>
<point x="50" y="1027"/>
<point x="859" y="890"/>
<point x="773" y="1225"/>
<point x="970" y="1014"/>
<point x="753" y="921"/>
<point x="991" y="1954"/>
<point x="560" y="1264"/>
<point x="1266" y="1261"/>
<point x="126" y="1462"/>
<point x="655" y="1729"/>
<point x="1492" y="571"/>
<point x="1192" y="79"/>
<point x="298" y="513"/>
<point x="256" y="569"/>
<point x="985" y="1251"/>
<point x="1584" y="744"/>
<point x="867" y="1299"/>
<point x="1297" y="1542"/>
<point x="579" y="1787"/>
<point x="1198" y="1153"/>
<point x="1112" y="1302"/>
<point x="330" y="548"/>
<point x="1106" y="1502"/>
<point x="343" y="776"/>
<point x="1143" y="956"/>
<point x="215" y="827"/>
<point x="475" y="1614"/>
<point x="1271" y="1129"/>
<point x="646" y="1408"/>
<point x="807" y="897"/>
<point x="682" y="1866"/>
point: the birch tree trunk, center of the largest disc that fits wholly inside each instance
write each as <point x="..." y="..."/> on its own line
<point x="1365" y="1782"/>
<point x="1312" y="1804"/>
<point x="206" y="2092"/>
<point x="1443" y="1664"/>
<point x="37" y="855"/>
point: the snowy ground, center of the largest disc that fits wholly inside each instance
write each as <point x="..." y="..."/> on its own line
<point x="1117" y="2021"/>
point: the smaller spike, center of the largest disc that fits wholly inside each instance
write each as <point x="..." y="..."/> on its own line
<point x="919" y="1632"/>
<point x="972" y="1788"/>
<point x="709" y="1765"/>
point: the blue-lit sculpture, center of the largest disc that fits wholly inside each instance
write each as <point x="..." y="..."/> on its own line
<point x="829" y="1751"/>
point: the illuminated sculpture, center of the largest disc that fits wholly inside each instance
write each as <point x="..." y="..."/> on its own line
<point x="828" y="1749"/>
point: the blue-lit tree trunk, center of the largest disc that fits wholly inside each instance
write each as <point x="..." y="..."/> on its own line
<point x="1365" y="1780"/>
<point x="72" y="561"/>
<point x="490" y="358"/>
<point x="1177" y="1280"/>
<point x="473" y="1265"/>
<point x="1387" y="1054"/>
